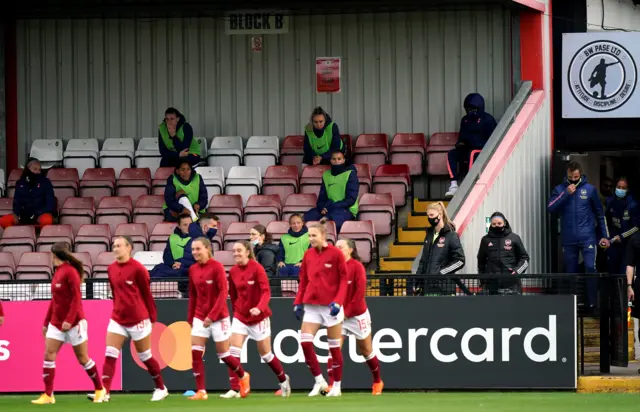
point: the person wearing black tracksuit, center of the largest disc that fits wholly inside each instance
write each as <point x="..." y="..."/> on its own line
<point x="623" y="219"/>
<point x="502" y="252"/>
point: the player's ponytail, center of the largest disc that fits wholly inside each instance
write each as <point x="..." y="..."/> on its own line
<point x="61" y="251"/>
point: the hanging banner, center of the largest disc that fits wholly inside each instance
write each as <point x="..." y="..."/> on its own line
<point x="328" y="74"/>
<point x="256" y="22"/>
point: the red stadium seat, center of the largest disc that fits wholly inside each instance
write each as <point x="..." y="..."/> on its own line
<point x="137" y="232"/>
<point x="394" y="179"/>
<point x="237" y="231"/>
<point x="372" y="149"/>
<point x="18" y="240"/>
<point x="7" y="266"/>
<point x="114" y="210"/>
<point x="292" y="151"/>
<point x="442" y="142"/>
<point x="281" y="181"/>
<point x="409" y="149"/>
<point x="277" y="229"/>
<point x="6" y="205"/>
<point x="364" y="178"/>
<point x="13" y="178"/>
<point x="148" y="210"/>
<point x="227" y="207"/>
<point x="93" y="239"/>
<point x="160" y="178"/>
<point x="160" y="234"/>
<point x="330" y="226"/>
<point x="348" y="144"/>
<point x="363" y="234"/>
<point x="263" y="209"/>
<point x="98" y="183"/>
<point x="311" y="179"/>
<point x="77" y="211"/>
<point x="226" y="258"/>
<point x="65" y="184"/>
<point x="85" y="258"/>
<point x="34" y="265"/>
<point x="52" y="234"/>
<point x="380" y="209"/>
<point x="134" y="182"/>
<point x="298" y="203"/>
<point x="101" y="264"/>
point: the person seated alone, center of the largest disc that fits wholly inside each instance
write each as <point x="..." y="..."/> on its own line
<point x="175" y="140"/>
<point x="321" y="139"/>
<point x="475" y="129"/>
<point x="176" y="260"/>
<point x="293" y="246"/>
<point x="338" y="198"/>
<point x="185" y="193"/>
<point x="206" y="226"/>
<point x="34" y="202"/>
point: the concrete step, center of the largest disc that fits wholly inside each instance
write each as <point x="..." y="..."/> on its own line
<point x="403" y="250"/>
<point x="421" y="205"/>
<point x="609" y="384"/>
<point x="408" y="235"/>
<point x="396" y="264"/>
<point x="417" y="222"/>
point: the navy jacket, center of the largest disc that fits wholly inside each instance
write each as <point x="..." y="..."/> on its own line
<point x="170" y="156"/>
<point x="309" y="154"/>
<point x="281" y="253"/>
<point x="165" y="270"/>
<point x="353" y="186"/>
<point x="476" y="128"/>
<point x="623" y="216"/>
<point x="195" y="231"/>
<point x="170" y="193"/>
<point x="34" y="197"/>
<point x="579" y="213"/>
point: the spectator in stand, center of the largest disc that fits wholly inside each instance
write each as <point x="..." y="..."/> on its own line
<point x="185" y="194"/>
<point x="206" y="226"/>
<point x="502" y="252"/>
<point x="292" y="247"/>
<point x="175" y="140"/>
<point x="264" y="250"/>
<point x="338" y="198"/>
<point x="321" y="139"/>
<point x="623" y="217"/>
<point x="34" y="202"/>
<point x="475" y="129"/>
<point x="176" y="264"/>
<point x="582" y="224"/>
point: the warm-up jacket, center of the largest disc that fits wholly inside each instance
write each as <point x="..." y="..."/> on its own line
<point x="623" y="216"/>
<point x="266" y="256"/>
<point x="309" y="154"/>
<point x="502" y="253"/>
<point x="476" y="128"/>
<point x="33" y="197"/>
<point x="443" y="255"/>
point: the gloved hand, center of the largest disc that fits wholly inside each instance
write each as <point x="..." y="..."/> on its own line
<point x="334" y="309"/>
<point x="299" y="311"/>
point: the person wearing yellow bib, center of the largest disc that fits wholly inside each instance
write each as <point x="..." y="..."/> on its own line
<point x="338" y="197"/>
<point x="175" y="263"/>
<point x="321" y="138"/>
<point x="184" y="194"/>
<point x="175" y="140"/>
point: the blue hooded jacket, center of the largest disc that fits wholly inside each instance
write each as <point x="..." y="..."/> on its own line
<point x="170" y="193"/>
<point x="351" y="195"/>
<point x="281" y="253"/>
<point x="579" y="213"/>
<point x="309" y="154"/>
<point x="477" y="125"/>
<point x="623" y="216"/>
<point x="34" y="196"/>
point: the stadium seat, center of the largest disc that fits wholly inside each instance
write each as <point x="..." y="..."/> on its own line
<point x="226" y="258"/>
<point x="77" y="211"/>
<point x="262" y="151"/>
<point x="394" y="179"/>
<point x="160" y="178"/>
<point x="292" y="151"/>
<point x="364" y="178"/>
<point x="13" y="178"/>
<point x="298" y="203"/>
<point x="213" y="177"/>
<point x="437" y="147"/>
<point x="7" y="266"/>
<point x="52" y="234"/>
<point x="134" y="183"/>
<point x="18" y="240"/>
<point x="204" y="150"/>
<point x="409" y="149"/>
<point x="98" y="183"/>
<point x="281" y="181"/>
<point x="160" y="234"/>
<point x="237" y="231"/>
<point x="101" y="264"/>
<point x="330" y="226"/>
<point x="85" y="258"/>
<point x="380" y="209"/>
<point x="263" y="209"/>
<point x="226" y="151"/>
<point x="34" y="266"/>
<point x="311" y="178"/>
<point x="348" y="144"/>
<point x="228" y="208"/>
<point x="148" y="259"/>
<point x="148" y="210"/>
<point x="372" y="149"/>
<point x="114" y="211"/>
<point x="93" y="239"/>
<point x="147" y="155"/>
<point x="81" y="154"/>
<point x="48" y="151"/>
<point x="137" y="232"/>
<point x="363" y="234"/>
<point x="3" y="187"/>
<point x="277" y="229"/>
<point x="6" y="205"/>
<point x="244" y="181"/>
<point x="117" y="154"/>
<point x="65" y="184"/>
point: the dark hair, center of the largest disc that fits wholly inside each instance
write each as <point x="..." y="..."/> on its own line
<point x="352" y="245"/>
<point x="209" y="215"/>
<point x="62" y="251"/>
<point x="172" y="110"/>
<point x="181" y="162"/>
<point x="501" y="216"/>
<point x="26" y="170"/>
<point x="183" y="217"/>
<point x="571" y="166"/>
<point x="337" y="151"/>
<point x="319" y="111"/>
<point x="263" y="231"/>
<point x="247" y="245"/>
<point x="296" y="215"/>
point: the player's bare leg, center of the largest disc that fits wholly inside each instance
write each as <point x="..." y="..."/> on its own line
<point x="334" y="338"/>
<point x="365" y="348"/>
<point x="198" y="344"/>
<point x="264" y="349"/>
<point x="143" y="347"/>
<point x="224" y="354"/>
<point x="52" y="347"/>
<point x="307" y="333"/>
<point x="82" y="354"/>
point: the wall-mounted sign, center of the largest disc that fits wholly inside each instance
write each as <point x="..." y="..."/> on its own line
<point x="256" y="22"/>
<point x="256" y="44"/>
<point x="328" y="74"/>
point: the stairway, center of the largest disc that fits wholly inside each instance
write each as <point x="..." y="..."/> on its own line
<point x="592" y="342"/>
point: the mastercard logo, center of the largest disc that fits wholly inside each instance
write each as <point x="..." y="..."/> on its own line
<point x="170" y="345"/>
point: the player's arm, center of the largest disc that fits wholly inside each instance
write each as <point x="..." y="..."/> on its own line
<point x="233" y="292"/>
<point x="47" y="317"/>
<point x="73" y="282"/>
<point x="304" y="281"/>
<point x="342" y="287"/>
<point x="144" y="285"/>
<point x="361" y="285"/>
<point x="193" y="295"/>
<point x="265" y="290"/>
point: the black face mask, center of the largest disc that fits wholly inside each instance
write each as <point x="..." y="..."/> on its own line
<point x="496" y="229"/>
<point x="433" y="221"/>
<point x="573" y="182"/>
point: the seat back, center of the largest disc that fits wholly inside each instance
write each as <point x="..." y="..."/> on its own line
<point x="227" y="143"/>
<point x="83" y="145"/>
<point x="116" y="144"/>
<point x="149" y="144"/>
<point x="142" y="173"/>
<point x="47" y="150"/>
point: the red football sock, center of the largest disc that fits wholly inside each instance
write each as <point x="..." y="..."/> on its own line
<point x="233" y="363"/>
<point x="234" y="381"/>
<point x="330" y="370"/>
<point x="48" y="374"/>
<point x="92" y="371"/>
<point x="109" y="368"/>
<point x="275" y="365"/>
<point x="310" y="357"/>
<point x="154" y="370"/>
<point x="198" y="367"/>
<point x="336" y="355"/>
<point x="374" y="365"/>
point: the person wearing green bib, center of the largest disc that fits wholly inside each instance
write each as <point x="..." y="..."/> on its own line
<point x="338" y="197"/>
<point x="184" y="194"/>
<point x="175" y="140"/>
<point x="292" y="247"/>
<point x="321" y="138"/>
<point x="175" y="260"/>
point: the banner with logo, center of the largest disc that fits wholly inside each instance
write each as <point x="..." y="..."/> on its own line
<point x="328" y="74"/>
<point x="479" y="342"/>
<point x="22" y="348"/>
<point x="600" y="75"/>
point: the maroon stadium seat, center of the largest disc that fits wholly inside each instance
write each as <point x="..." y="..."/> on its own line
<point x="348" y="144"/>
<point x="364" y="178"/>
<point x="93" y="239"/>
<point x="6" y="205"/>
<point x="160" y="234"/>
<point x="85" y="258"/>
<point x="394" y="179"/>
<point x="237" y="231"/>
<point x="65" y="184"/>
<point x="372" y="149"/>
<point x="442" y="142"/>
<point x="280" y="180"/>
<point x="7" y="266"/>
<point x="148" y="210"/>
<point x="227" y="207"/>
<point x="52" y="234"/>
<point x="298" y="203"/>
<point x="13" y="178"/>
<point x="311" y="179"/>
<point x="18" y="240"/>
<point x="138" y="234"/>
<point x="77" y="211"/>
<point x="292" y="151"/>
<point x="226" y="258"/>
<point x="114" y="210"/>
<point x="101" y="264"/>
<point x="98" y="183"/>
<point x="34" y="265"/>
<point x="277" y="229"/>
<point x="409" y="149"/>
<point x="363" y="234"/>
<point x="134" y="182"/>
<point x="263" y="209"/>
<point x="160" y="178"/>
<point x="330" y="226"/>
<point x="380" y="209"/>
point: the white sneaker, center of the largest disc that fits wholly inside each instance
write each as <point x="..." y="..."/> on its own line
<point x="335" y="391"/>
<point x="230" y="395"/>
<point x="286" y="387"/>
<point x="452" y="189"/>
<point x="92" y="396"/>
<point x="319" y="388"/>
<point x="160" y="394"/>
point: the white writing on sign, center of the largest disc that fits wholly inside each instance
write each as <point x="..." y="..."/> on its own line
<point x="256" y="23"/>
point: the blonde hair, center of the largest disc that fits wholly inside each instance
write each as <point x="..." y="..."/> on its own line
<point x="247" y="246"/>
<point x="441" y="209"/>
<point x="320" y="227"/>
<point x="206" y="243"/>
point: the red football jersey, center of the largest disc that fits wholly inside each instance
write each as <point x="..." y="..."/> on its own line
<point x="131" y="288"/>
<point x="355" y="303"/>
<point x="208" y="291"/>
<point x="66" y="297"/>
<point x="248" y="289"/>
<point x="323" y="277"/>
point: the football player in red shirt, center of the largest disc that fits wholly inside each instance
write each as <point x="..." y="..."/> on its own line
<point x="65" y="323"/>
<point x="250" y="295"/>
<point x="134" y="313"/>
<point x="321" y="294"/>
<point x="209" y="316"/>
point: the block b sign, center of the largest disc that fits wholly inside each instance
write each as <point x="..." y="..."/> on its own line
<point x="256" y="22"/>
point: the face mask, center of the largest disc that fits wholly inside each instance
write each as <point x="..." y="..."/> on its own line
<point x="497" y="229"/>
<point x="573" y="182"/>
<point x="255" y="242"/>
<point x="621" y="193"/>
<point x="212" y="232"/>
<point x="433" y="221"/>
